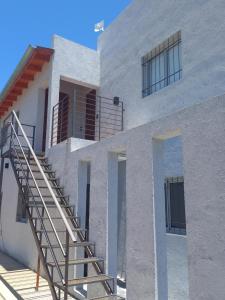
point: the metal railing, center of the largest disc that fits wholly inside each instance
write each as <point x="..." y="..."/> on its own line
<point x="21" y="152"/>
<point x="87" y="117"/>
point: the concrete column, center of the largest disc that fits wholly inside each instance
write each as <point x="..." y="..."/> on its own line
<point x="204" y="184"/>
<point x="82" y="191"/>
<point x="98" y="212"/>
<point x="81" y="207"/>
<point x="53" y="98"/>
<point x="140" y="241"/>
<point x="112" y="214"/>
<point x="160" y="224"/>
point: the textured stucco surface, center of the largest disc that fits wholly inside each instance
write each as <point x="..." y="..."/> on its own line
<point x="142" y="27"/>
<point x="202" y="130"/>
<point x="71" y="62"/>
<point x="116" y="67"/>
<point x="16" y="238"/>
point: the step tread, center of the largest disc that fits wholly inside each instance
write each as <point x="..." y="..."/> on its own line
<point x="38" y="171"/>
<point x="39" y="179"/>
<point x="78" y="261"/>
<point x="112" y="297"/>
<point x="49" y="196"/>
<point x="45" y="187"/>
<point x="89" y="280"/>
<point x="76" y="244"/>
<point x="61" y="231"/>
<point x="48" y="204"/>
<point x="31" y="163"/>
<point x="56" y="218"/>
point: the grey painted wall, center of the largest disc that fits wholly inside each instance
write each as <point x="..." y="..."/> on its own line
<point x="202" y="130"/>
<point x="143" y="26"/>
<point x="71" y="62"/>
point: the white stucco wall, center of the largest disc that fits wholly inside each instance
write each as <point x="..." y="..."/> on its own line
<point x="142" y="27"/>
<point x="16" y="238"/>
<point x="31" y="103"/>
<point x="202" y="131"/>
<point x="71" y="62"/>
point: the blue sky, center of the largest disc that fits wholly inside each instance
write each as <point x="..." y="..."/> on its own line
<point x="27" y="22"/>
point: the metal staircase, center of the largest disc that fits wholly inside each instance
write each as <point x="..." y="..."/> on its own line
<point x="52" y="219"/>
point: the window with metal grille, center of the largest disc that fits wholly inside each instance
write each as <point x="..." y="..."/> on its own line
<point x="175" y="205"/>
<point x="162" y="66"/>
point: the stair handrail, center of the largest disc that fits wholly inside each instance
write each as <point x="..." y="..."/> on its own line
<point x="71" y="234"/>
<point x="46" y="236"/>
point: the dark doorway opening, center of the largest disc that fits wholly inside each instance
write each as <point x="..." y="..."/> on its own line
<point x="63" y="117"/>
<point x="90" y="115"/>
<point x="45" y="121"/>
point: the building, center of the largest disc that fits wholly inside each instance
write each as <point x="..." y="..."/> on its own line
<point x="135" y="134"/>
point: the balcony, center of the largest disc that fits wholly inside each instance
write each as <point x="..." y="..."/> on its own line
<point x="87" y="116"/>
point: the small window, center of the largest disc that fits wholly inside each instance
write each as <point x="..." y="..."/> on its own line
<point x="175" y="205"/>
<point x="162" y="66"/>
<point x="21" y="215"/>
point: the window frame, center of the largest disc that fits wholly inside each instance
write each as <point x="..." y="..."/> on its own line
<point x="169" y="228"/>
<point x="148" y="86"/>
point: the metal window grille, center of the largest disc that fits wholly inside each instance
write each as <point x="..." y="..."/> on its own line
<point x="175" y="205"/>
<point x="162" y="66"/>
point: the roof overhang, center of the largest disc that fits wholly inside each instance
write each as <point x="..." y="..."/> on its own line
<point x="31" y="63"/>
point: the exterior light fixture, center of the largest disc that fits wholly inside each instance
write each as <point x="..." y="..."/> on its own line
<point x="116" y="101"/>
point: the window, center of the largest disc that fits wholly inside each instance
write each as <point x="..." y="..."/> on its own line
<point x="21" y="215"/>
<point x="175" y="205"/>
<point x="162" y="66"/>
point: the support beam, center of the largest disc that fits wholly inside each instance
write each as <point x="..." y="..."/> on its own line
<point x="22" y="85"/>
<point x="27" y="76"/>
<point x="16" y="91"/>
<point x="11" y="98"/>
<point x="33" y="67"/>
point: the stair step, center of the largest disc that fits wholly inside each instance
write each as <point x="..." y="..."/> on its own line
<point x="76" y="244"/>
<point x="89" y="280"/>
<point x="109" y="297"/>
<point x="60" y="231"/>
<point x="31" y="163"/>
<point x="20" y="156"/>
<point x="79" y="261"/>
<point x="58" y="218"/>
<point x="48" y="204"/>
<point x="49" y="197"/>
<point x="38" y="171"/>
<point x="45" y="187"/>
<point x="39" y="179"/>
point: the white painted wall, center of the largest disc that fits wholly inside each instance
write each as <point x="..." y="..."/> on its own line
<point x="31" y="103"/>
<point x="142" y="27"/>
<point x="16" y="238"/>
<point x="71" y="62"/>
<point x="202" y="130"/>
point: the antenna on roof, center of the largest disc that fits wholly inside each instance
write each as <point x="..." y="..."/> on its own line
<point x="100" y="26"/>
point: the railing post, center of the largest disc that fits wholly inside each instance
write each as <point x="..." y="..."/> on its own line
<point x="99" y="117"/>
<point x="52" y="130"/>
<point x="11" y="135"/>
<point x="39" y="259"/>
<point x="38" y="273"/>
<point x="66" y="266"/>
<point x="122" y="120"/>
